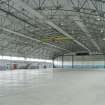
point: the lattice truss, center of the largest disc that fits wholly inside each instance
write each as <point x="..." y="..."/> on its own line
<point x="46" y="28"/>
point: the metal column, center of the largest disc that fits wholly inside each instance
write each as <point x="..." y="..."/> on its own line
<point x="104" y="56"/>
<point x="62" y="61"/>
<point x="53" y="63"/>
<point x="72" y="61"/>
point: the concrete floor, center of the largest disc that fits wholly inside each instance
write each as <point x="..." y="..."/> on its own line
<point x="48" y="88"/>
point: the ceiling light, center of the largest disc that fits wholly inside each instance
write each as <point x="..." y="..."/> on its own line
<point x="98" y="18"/>
<point x="62" y="24"/>
<point x="102" y="30"/>
<point x="103" y="38"/>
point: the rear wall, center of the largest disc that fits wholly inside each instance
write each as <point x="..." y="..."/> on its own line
<point x="91" y="61"/>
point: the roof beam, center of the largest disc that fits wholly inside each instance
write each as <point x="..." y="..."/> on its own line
<point x="79" y="22"/>
<point x="44" y="20"/>
<point x="30" y="38"/>
<point x="16" y="33"/>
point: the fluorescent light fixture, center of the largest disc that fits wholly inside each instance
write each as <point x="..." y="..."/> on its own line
<point x="103" y="38"/>
<point x="62" y="24"/>
<point x="18" y="58"/>
<point x="6" y="57"/>
<point x="24" y="59"/>
<point x="98" y="18"/>
<point x="102" y="30"/>
<point x="1" y="57"/>
<point x="38" y="60"/>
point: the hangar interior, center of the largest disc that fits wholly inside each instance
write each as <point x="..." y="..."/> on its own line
<point x="52" y="52"/>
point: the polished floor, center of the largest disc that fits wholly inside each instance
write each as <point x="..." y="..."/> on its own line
<point x="33" y="87"/>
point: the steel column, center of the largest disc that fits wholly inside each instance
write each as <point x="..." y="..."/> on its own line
<point x="62" y="61"/>
<point x="72" y="61"/>
<point x="53" y="63"/>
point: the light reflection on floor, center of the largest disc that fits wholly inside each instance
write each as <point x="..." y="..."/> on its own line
<point x="13" y="81"/>
<point x="33" y="87"/>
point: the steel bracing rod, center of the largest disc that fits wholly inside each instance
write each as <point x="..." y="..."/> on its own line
<point x="8" y="12"/>
<point x="79" y="22"/>
<point x="82" y="26"/>
<point x="94" y="2"/>
<point x="33" y="39"/>
<point x="25" y="35"/>
<point x="25" y="21"/>
<point x="43" y="2"/>
<point x="11" y="14"/>
<point x="73" y="3"/>
<point x="34" y="51"/>
<point x="43" y="19"/>
<point x="83" y="4"/>
<point x="71" y="10"/>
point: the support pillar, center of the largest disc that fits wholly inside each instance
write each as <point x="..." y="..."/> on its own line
<point x="104" y="60"/>
<point x="72" y="61"/>
<point x="62" y="61"/>
<point x="53" y="64"/>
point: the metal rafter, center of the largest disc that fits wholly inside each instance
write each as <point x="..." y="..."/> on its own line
<point x="33" y="39"/>
<point x="79" y="22"/>
<point x="43" y="19"/>
<point x="59" y="12"/>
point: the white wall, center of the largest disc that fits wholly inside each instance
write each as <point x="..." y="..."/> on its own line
<point x="91" y="61"/>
